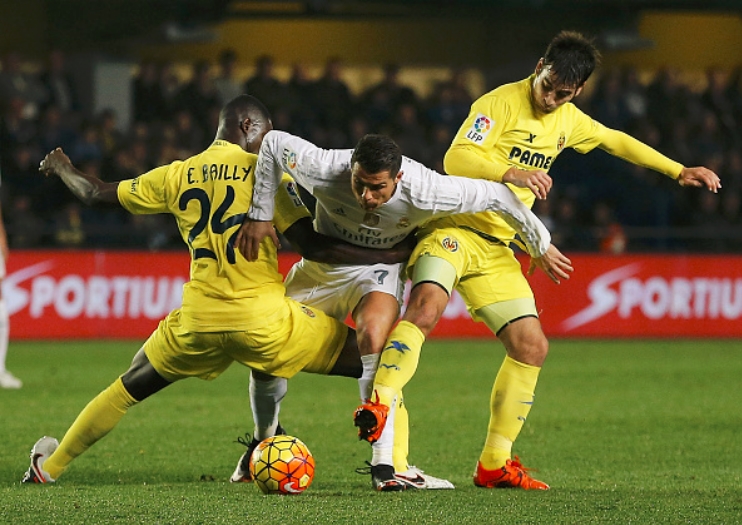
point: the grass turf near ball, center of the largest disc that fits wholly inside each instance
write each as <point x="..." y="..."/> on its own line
<point x="282" y="465"/>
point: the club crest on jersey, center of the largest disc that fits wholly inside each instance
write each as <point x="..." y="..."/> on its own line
<point x="450" y="244"/>
<point x="562" y="141"/>
<point x="307" y="311"/>
<point x="371" y="219"/>
<point x="294" y="194"/>
<point x="480" y="128"/>
<point x="289" y="158"/>
<point x="403" y="223"/>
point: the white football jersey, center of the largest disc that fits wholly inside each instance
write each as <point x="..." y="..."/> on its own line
<point x="421" y="194"/>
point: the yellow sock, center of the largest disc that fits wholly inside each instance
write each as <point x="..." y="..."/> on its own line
<point x="398" y="361"/>
<point x="95" y="421"/>
<point x="401" y="436"/>
<point x="510" y="403"/>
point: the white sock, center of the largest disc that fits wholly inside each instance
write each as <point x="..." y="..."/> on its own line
<point x="265" y="401"/>
<point x="370" y="363"/>
<point x="382" y="450"/>
<point x="4" y="332"/>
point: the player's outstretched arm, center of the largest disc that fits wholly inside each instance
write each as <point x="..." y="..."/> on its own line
<point x="554" y="264"/>
<point x="699" y="177"/>
<point x="89" y="189"/>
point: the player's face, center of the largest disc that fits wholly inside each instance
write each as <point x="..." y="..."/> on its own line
<point x="372" y="189"/>
<point x="548" y="93"/>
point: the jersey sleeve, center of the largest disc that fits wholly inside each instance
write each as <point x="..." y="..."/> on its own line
<point x="444" y="195"/>
<point x="289" y="206"/>
<point x="468" y="155"/>
<point x="146" y="193"/>
<point x="307" y="164"/>
<point x="589" y="134"/>
<point x="626" y="147"/>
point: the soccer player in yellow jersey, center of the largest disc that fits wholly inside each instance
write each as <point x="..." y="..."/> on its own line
<point x="232" y="310"/>
<point x="512" y="135"/>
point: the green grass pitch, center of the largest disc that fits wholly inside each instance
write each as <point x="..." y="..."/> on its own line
<point x="624" y="431"/>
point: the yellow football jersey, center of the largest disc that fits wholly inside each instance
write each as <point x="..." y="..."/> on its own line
<point x="209" y="195"/>
<point x="502" y="131"/>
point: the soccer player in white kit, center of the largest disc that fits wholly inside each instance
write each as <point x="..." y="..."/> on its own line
<point x="373" y="197"/>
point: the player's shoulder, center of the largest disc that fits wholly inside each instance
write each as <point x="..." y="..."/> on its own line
<point x="505" y="97"/>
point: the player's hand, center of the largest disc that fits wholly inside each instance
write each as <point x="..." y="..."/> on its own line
<point x="251" y="234"/>
<point x="553" y="263"/>
<point x="538" y="181"/>
<point x="699" y="177"/>
<point x="54" y="162"/>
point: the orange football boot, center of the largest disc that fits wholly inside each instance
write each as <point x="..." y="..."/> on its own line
<point x="370" y="418"/>
<point x="512" y="475"/>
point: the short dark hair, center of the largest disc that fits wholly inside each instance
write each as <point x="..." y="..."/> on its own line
<point x="572" y="57"/>
<point x="377" y="153"/>
<point x="243" y="106"/>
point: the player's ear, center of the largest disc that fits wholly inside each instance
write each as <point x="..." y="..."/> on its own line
<point x="245" y="125"/>
<point x="399" y="176"/>
<point x="579" y="89"/>
<point x="539" y="66"/>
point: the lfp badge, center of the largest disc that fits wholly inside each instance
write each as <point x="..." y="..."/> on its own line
<point x="480" y="128"/>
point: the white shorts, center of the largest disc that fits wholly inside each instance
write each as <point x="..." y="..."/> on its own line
<point x="336" y="289"/>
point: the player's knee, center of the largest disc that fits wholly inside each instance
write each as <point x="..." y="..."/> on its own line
<point x="426" y="305"/>
<point x="531" y="350"/>
<point x="371" y="337"/>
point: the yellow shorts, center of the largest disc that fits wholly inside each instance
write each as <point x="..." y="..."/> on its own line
<point x="486" y="272"/>
<point x="303" y="339"/>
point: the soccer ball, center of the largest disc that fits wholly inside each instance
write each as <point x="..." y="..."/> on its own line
<point x="282" y="465"/>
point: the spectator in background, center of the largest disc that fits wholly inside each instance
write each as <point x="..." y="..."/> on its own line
<point x="450" y="100"/>
<point x="409" y="133"/>
<point x="334" y="105"/>
<point x="608" y="234"/>
<point x="197" y="97"/>
<point x="715" y="99"/>
<point x="15" y="127"/>
<point x="17" y="84"/>
<point x="608" y="103"/>
<point x="226" y="84"/>
<point x="109" y="135"/>
<point x="298" y="100"/>
<point x="147" y="92"/>
<point x="189" y="137"/>
<point x="170" y="89"/>
<point x="88" y="146"/>
<point x="264" y="85"/>
<point x="54" y="129"/>
<point x="26" y="229"/>
<point x="634" y="94"/>
<point x="395" y="92"/>
<point x="60" y="85"/>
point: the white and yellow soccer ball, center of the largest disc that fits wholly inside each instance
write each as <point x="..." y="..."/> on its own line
<point x="282" y="465"/>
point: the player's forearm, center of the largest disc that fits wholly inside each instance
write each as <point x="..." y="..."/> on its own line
<point x="90" y="190"/>
<point x="632" y="150"/>
<point x="532" y="231"/>
<point x="464" y="162"/>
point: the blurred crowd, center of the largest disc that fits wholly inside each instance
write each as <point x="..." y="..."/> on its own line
<point x="599" y="203"/>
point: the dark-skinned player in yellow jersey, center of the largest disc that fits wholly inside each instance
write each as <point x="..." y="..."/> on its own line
<point x="512" y="135"/>
<point x="232" y="310"/>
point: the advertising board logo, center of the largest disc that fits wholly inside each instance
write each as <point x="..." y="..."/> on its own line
<point x="620" y="292"/>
